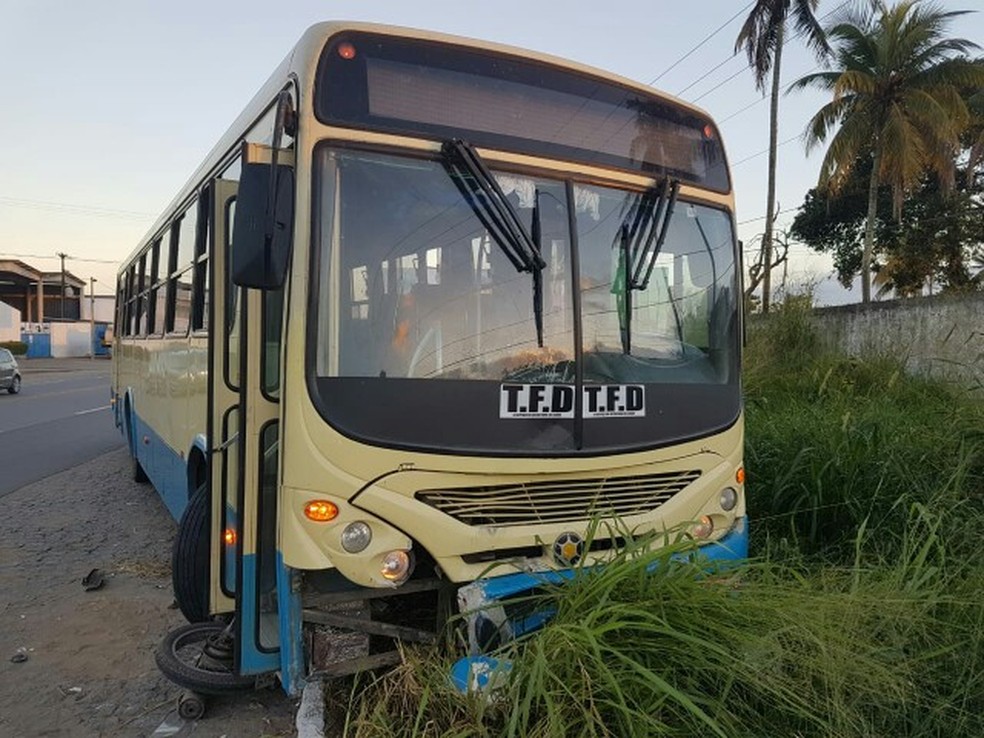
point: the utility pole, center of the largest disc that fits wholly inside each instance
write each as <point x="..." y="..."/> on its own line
<point x="62" y="255"/>
<point x="92" y="317"/>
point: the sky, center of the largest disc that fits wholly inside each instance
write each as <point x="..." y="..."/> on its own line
<point x="110" y="105"/>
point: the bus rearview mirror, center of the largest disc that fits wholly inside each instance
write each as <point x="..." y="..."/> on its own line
<point x="263" y="228"/>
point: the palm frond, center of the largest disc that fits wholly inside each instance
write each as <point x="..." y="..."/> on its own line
<point x="821" y="80"/>
<point x="851" y="142"/>
<point x="760" y="36"/>
<point x="824" y="121"/>
<point x="809" y="28"/>
<point x="855" y="82"/>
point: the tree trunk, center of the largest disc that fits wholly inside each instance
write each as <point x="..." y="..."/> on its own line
<point x="869" y="228"/>
<point x="770" y="205"/>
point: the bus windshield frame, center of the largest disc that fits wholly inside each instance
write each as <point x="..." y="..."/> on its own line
<point x="389" y="319"/>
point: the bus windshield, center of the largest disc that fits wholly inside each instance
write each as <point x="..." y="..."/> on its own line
<point x="417" y="302"/>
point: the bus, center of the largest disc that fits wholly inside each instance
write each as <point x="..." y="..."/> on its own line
<point x="429" y="310"/>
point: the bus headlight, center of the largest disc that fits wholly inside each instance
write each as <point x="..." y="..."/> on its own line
<point x="703" y="527"/>
<point x="395" y="566"/>
<point x="728" y="499"/>
<point x="356" y="536"/>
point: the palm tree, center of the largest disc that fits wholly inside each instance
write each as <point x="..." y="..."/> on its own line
<point x="896" y="80"/>
<point x="762" y="36"/>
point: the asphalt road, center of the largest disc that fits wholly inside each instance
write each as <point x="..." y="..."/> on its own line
<point x="60" y="419"/>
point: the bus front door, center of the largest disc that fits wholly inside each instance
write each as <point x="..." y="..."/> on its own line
<point x="245" y="427"/>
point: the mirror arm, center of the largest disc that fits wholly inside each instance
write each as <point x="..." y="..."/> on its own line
<point x="284" y="117"/>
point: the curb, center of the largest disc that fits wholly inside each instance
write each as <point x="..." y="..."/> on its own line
<point x="310" y="719"/>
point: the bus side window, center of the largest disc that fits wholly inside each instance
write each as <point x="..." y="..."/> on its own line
<point x="183" y="256"/>
<point x="200" y="288"/>
<point x="131" y="311"/>
<point x="155" y="252"/>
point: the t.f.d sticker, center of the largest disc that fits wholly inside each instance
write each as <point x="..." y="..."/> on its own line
<point x="557" y="401"/>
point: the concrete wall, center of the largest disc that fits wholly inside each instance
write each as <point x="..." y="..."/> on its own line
<point x="105" y="308"/>
<point x="10" y="322"/>
<point x="939" y="336"/>
<point x="69" y="339"/>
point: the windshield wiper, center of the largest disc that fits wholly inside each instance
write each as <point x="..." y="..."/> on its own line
<point x="651" y="223"/>
<point x="483" y="194"/>
<point x="640" y="242"/>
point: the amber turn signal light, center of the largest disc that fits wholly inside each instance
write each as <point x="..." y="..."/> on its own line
<point x="740" y="475"/>
<point x="321" y="511"/>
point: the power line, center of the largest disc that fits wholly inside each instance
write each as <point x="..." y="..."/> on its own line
<point x="764" y="151"/>
<point x="720" y="84"/>
<point x="74" y="208"/>
<point x="51" y="258"/>
<point x="762" y="217"/>
<point x="747" y="67"/>
<point x="785" y="88"/>
<point x="708" y="73"/>
<point x="704" y="41"/>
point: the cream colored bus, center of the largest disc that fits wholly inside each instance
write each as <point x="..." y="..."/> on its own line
<point x="428" y="308"/>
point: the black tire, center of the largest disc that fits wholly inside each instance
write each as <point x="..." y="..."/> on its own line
<point x="139" y="475"/>
<point x="191" y="559"/>
<point x="179" y="657"/>
<point x="15" y="384"/>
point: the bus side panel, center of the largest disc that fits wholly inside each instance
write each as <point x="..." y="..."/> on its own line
<point x="167" y="470"/>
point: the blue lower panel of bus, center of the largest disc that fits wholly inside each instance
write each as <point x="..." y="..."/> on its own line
<point x="259" y="636"/>
<point x="167" y="470"/>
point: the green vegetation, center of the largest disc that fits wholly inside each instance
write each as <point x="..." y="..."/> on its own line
<point x="860" y="613"/>
<point x="17" y="348"/>
<point x="901" y="101"/>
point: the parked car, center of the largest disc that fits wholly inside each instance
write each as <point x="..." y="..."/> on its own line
<point x="10" y="376"/>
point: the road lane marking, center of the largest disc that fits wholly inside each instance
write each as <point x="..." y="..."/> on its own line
<point x="32" y="396"/>
<point x="93" y="410"/>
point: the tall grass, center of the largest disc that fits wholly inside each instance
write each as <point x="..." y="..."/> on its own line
<point x="770" y="649"/>
<point x="834" y="442"/>
<point x="860" y="614"/>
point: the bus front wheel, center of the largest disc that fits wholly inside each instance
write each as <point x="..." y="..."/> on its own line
<point x="190" y="558"/>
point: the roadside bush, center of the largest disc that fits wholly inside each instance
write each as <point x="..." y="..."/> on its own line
<point x="17" y="348"/>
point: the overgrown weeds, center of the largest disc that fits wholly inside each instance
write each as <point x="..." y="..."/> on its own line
<point x="860" y="613"/>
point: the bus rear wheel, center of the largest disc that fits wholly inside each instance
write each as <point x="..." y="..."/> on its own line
<point x="198" y="657"/>
<point x="190" y="558"/>
<point x="139" y="475"/>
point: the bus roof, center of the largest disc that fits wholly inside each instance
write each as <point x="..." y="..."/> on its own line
<point x="301" y="63"/>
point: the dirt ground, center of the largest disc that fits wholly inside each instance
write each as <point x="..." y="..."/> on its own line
<point x="90" y="667"/>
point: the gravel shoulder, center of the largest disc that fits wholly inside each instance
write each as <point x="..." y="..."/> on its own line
<point x="90" y="667"/>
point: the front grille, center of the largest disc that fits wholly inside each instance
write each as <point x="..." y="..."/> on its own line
<point x="558" y="501"/>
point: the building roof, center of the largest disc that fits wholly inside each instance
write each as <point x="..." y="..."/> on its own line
<point x="14" y="272"/>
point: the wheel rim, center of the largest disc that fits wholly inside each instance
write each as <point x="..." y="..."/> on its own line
<point x="208" y="649"/>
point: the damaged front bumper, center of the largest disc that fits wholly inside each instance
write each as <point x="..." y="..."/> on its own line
<point x="492" y="622"/>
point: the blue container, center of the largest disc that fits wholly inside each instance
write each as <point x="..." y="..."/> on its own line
<point x="38" y="345"/>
